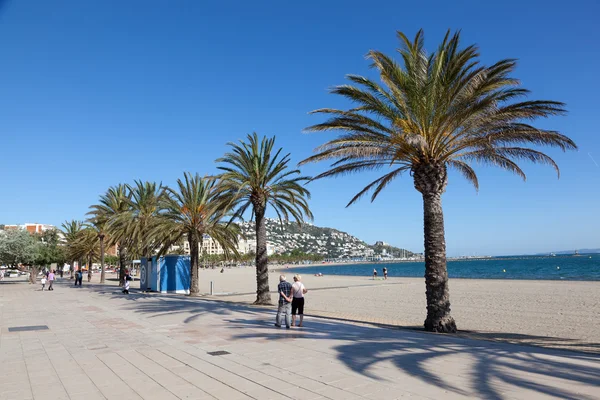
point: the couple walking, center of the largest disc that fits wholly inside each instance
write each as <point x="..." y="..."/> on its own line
<point x="50" y="276"/>
<point x="291" y="301"/>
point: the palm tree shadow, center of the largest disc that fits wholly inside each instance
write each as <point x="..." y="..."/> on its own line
<point x="367" y="349"/>
<point x="370" y="349"/>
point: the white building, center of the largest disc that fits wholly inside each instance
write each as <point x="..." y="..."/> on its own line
<point x="31" y="227"/>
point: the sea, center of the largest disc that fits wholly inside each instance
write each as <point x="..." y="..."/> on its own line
<point x="583" y="267"/>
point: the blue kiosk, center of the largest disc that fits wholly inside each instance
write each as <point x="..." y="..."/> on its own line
<point x="167" y="274"/>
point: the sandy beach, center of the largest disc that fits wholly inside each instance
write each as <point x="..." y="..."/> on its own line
<point x="537" y="312"/>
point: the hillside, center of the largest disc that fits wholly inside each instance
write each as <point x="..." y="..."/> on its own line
<point x="331" y="243"/>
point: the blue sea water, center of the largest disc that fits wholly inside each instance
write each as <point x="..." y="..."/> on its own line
<point x="585" y="267"/>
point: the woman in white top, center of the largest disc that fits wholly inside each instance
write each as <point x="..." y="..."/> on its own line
<point x="298" y="292"/>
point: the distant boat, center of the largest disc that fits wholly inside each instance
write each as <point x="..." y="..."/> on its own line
<point x="576" y="254"/>
<point x="552" y="255"/>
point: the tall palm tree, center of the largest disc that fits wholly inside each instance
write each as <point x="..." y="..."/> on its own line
<point x="86" y="246"/>
<point x="70" y="230"/>
<point x="194" y="210"/>
<point x="113" y="204"/>
<point x="98" y="225"/>
<point x="434" y="112"/>
<point x="138" y="223"/>
<point x="255" y="176"/>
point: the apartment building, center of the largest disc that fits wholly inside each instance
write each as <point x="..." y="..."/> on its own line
<point x="31" y="228"/>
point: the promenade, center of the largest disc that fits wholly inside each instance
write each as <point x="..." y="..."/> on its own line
<point x="101" y="344"/>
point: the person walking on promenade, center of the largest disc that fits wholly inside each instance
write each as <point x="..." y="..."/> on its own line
<point x="51" y="277"/>
<point x="78" y="277"/>
<point x="384" y="273"/>
<point x="298" y="292"/>
<point x="128" y="278"/>
<point x="285" y="302"/>
<point x="43" y="282"/>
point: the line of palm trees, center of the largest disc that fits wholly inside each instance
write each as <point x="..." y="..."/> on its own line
<point x="145" y="219"/>
<point x="429" y="113"/>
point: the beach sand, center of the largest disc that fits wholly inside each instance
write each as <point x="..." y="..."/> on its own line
<point x="535" y="312"/>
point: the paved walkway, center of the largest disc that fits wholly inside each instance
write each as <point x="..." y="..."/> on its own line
<point x="101" y="344"/>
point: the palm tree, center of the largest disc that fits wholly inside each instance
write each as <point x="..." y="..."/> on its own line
<point x="138" y="222"/>
<point x="86" y="246"/>
<point x="434" y="112"/>
<point x="98" y="224"/>
<point x="70" y="230"/>
<point x="194" y="210"/>
<point x="255" y="177"/>
<point x="113" y="204"/>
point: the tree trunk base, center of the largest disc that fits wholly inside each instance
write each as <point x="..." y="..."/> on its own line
<point x="263" y="302"/>
<point x="441" y="325"/>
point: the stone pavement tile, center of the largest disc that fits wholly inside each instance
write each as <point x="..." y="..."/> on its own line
<point x="50" y="394"/>
<point x="15" y="393"/>
<point x="170" y="381"/>
<point x="352" y="382"/>
<point x="334" y="393"/>
<point x="258" y="377"/>
<point x="87" y="396"/>
<point x="263" y="393"/>
<point x="118" y="391"/>
<point x="203" y="376"/>
<point x="290" y="389"/>
<point x="142" y="384"/>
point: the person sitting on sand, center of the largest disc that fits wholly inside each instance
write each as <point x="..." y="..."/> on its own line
<point x="298" y="292"/>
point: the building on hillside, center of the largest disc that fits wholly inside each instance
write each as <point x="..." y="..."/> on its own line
<point x="212" y="247"/>
<point x="381" y="243"/>
<point x="31" y="228"/>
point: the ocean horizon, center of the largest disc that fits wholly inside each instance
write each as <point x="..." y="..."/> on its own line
<point x="583" y="267"/>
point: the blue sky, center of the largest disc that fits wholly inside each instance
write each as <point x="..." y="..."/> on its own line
<point x="94" y="93"/>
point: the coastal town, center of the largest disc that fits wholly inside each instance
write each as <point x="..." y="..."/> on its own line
<point x="284" y="237"/>
<point x="299" y="200"/>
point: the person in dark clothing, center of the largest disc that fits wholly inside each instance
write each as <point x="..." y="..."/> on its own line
<point x="78" y="277"/>
<point x="285" y="302"/>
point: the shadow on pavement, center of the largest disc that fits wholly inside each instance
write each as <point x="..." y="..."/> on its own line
<point x="363" y="346"/>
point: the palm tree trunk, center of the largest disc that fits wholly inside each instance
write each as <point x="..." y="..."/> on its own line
<point x="194" y="281"/>
<point x="122" y="263"/>
<point x="89" y="268"/>
<point x="431" y="181"/>
<point x="102" y="274"/>
<point x="262" y="267"/>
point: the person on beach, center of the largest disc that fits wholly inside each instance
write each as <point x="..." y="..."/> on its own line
<point x="298" y="292"/>
<point x="374" y="274"/>
<point x="43" y="282"/>
<point x="128" y="278"/>
<point x="285" y="302"/>
<point x="51" y="277"/>
<point x="384" y="273"/>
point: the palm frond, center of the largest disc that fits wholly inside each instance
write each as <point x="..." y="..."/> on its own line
<point x="443" y="109"/>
